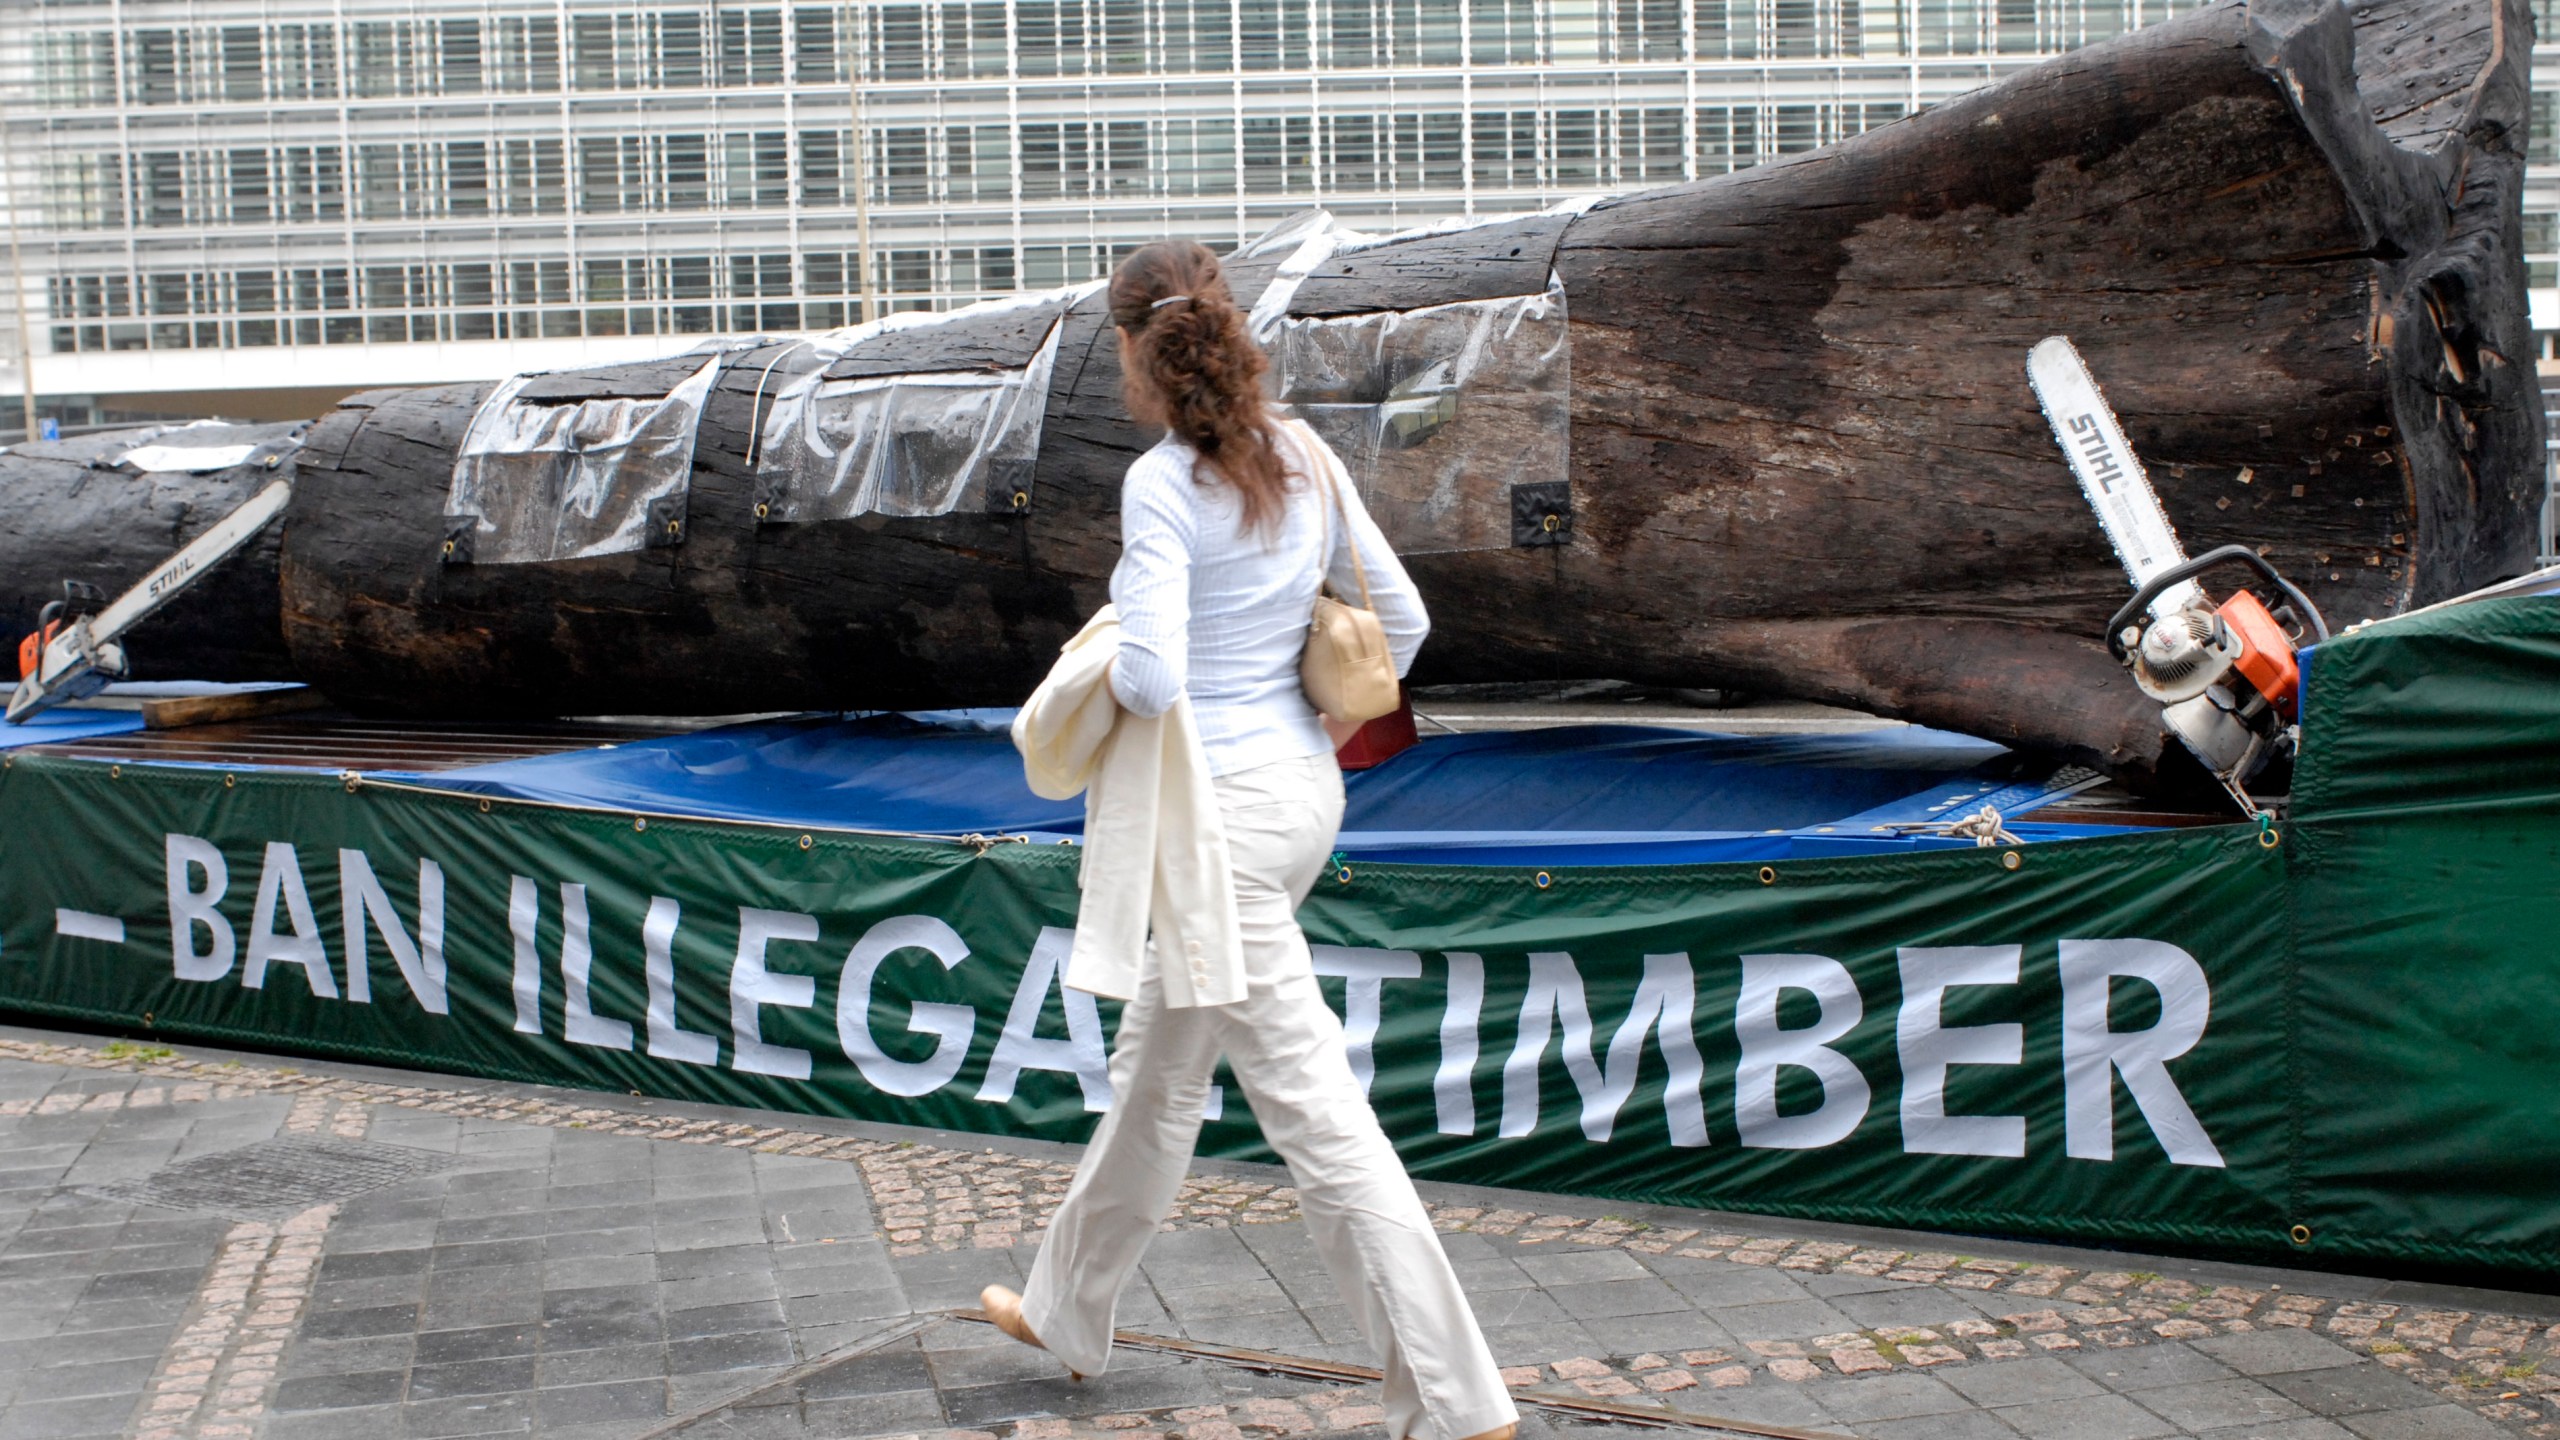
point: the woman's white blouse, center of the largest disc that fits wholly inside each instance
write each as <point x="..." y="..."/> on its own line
<point x="1221" y="615"/>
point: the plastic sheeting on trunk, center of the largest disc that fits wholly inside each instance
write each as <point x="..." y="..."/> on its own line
<point x="1439" y="412"/>
<point x="565" y="482"/>
<point x="919" y="444"/>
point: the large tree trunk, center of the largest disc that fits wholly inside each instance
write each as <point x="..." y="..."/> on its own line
<point x="1804" y="457"/>
<point x="65" y="517"/>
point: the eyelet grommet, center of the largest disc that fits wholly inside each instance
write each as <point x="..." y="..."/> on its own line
<point x="1768" y="874"/>
<point x="115" y="772"/>
<point x="763" y="510"/>
<point x="639" y="822"/>
<point x="484" y="806"/>
<point x="806" y="842"/>
<point x="2269" y="838"/>
<point x="1542" y="880"/>
<point x="228" y="781"/>
<point x="2011" y="859"/>
<point x="2299" y="1234"/>
<point x="1342" y="875"/>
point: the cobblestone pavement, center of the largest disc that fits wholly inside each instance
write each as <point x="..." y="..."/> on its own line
<point x="554" y="1263"/>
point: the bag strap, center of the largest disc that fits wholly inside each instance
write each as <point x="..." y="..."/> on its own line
<point x="1322" y="461"/>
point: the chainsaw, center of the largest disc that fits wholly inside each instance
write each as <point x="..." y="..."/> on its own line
<point x="2227" y="675"/>
<point x="77" y="649"/>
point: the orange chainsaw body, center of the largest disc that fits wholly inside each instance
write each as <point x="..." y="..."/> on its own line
<point x="31" y="649"/>
<point x="2266" y="653"/>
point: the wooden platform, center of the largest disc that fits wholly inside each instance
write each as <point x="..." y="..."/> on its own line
<point x="337" y="741"/>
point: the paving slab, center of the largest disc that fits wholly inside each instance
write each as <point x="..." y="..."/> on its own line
<point x="584" y="1267"/>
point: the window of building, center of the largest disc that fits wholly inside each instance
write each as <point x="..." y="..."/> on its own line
<point x="1505" y="32"/>
<point x="1272" y="34"/>
<point x="1125" y="169"/>
<point x="458" y="70"/>
<point x="750" y="47"/>
<point x="1056" y="161"/>
<point x="1431" y="152"/>
<point x="1354" y="153"/>
<point x="1728" y="138"/>
<point x="900" y="173"/>
<point x="757" y="166"/>
<point x="1576" y="149"/>
<point x="813" y="46"/>
<point x="686" y="162"/>
<point x="1648" y="30"/>
<point x="75" y="68"/>
<point x="1354" y="40"/>
<point x="528" y="54"/>
<point x="378" y="60"/>
<point x="533" y="179"/>
<point x="1124" y="37"/>
<point x="313" y="182"/>
<point x="683" y="54"/>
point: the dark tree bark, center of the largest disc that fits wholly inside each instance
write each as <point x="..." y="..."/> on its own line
<point x="64" y="518"/>
<point x="1805" y="460"/>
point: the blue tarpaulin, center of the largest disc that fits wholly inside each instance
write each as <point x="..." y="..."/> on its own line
<point x="53" y="727"/>
<point x="1589" y="794"/>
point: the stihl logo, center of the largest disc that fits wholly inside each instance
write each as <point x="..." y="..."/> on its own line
<point x="171" y="578"/>
<point x="2100" y="456"/>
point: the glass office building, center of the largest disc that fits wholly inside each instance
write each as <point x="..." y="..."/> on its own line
<point x="223" y="195"/>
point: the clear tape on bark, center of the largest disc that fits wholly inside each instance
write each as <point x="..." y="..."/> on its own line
<point x="1438" y="412"/>
<point x="536" y="482"/>
<point x="929" y="443"/>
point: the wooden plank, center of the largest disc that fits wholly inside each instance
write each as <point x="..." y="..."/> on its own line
<point x="179" y="711"/>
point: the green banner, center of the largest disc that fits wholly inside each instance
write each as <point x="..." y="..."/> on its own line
<point x="2425" y="910"/>
<point x="2076" y="1041"/>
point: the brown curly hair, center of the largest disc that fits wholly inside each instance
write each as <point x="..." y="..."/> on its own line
<point x="1194" y="369"/>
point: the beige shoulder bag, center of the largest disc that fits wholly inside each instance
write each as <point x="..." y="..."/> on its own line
<point x="1347" y="670"/>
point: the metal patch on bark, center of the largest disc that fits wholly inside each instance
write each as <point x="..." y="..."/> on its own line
<point x="276" y="1177"/>
<point x="927" y="443"/>
<point x="538" y="481"/>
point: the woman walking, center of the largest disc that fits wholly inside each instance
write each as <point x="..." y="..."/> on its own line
<point x="1228" y="527"/>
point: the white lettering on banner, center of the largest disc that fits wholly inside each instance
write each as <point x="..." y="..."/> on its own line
<point x="1928" y="1047"/>
<point x="86" y="925"/>
<point x="524" y="914"/>
<point x="1453" y="1085"/>
<point x="1766" y="1050"/>
<point x="365" y="903"/>
<point x="667" y="1041"/>
<point x="281" y="878"/>
<point x="751" y="986"/>
<point x="190" y="907"/>
<point x="1665" y="999"/>
<point x="1364" y="973"/>
<point x="1020" y="1046"/>
<point x="580" y="1025"/>
<point x="953" y="1026"/>
<point x="2093" y="1055"/>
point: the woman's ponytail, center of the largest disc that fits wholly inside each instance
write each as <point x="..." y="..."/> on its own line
<point x="1195" y="369"/>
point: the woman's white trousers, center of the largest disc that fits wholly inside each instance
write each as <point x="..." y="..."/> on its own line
<point x="1285" y="1046"/>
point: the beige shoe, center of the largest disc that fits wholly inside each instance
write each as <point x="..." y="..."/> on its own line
<point x="1004" y="1311"/>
